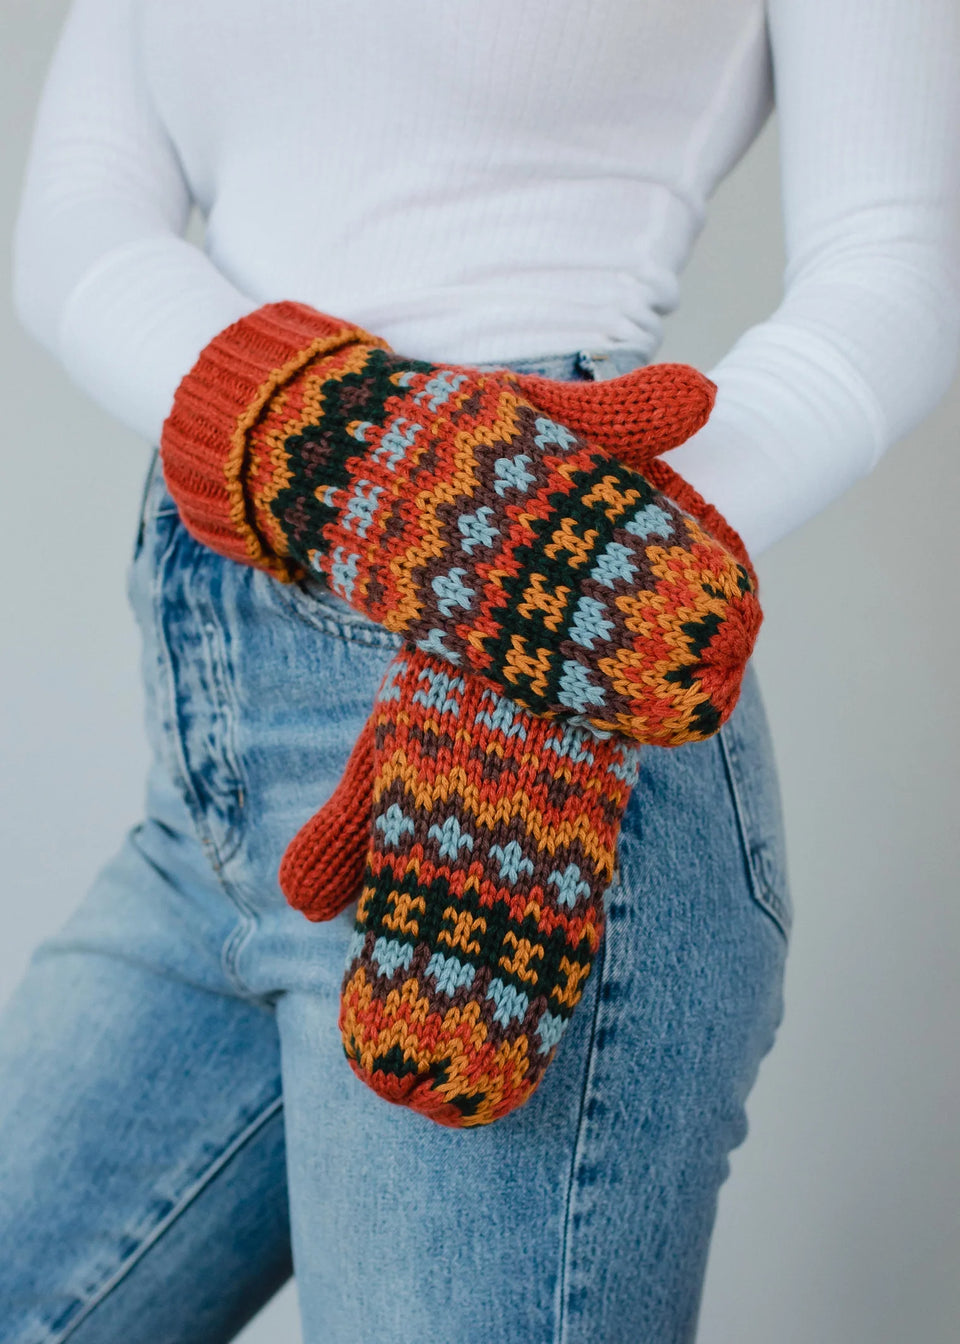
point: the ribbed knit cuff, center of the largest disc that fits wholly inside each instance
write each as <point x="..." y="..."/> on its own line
<point x="204" y="442"/>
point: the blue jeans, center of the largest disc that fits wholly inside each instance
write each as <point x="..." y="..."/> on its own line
<point x="178" y="1125"/>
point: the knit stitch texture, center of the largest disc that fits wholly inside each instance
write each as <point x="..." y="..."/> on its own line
<point x="493" y="840"/>
<point x="444" y="504"/>
<point x="480" y="831"/>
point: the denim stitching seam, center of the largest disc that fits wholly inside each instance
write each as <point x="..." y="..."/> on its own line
<point x="763" y="894"/>
<point x="234" y="779"/>
<point x="359" y="632"/>
<point x="239" y="936"/>
<point x="565" y="1236"/>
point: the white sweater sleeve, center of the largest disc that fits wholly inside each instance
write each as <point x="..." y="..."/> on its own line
<point x="864" y="342"/>
<point x="98" y="244"/>
<point x="867" y="336"/>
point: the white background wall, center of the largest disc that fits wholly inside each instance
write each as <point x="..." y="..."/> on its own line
<point x="841" y="1221"/>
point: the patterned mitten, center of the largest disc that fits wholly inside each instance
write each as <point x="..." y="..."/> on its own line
<point x="445" y="504"/>
<point x="493" y="840"/>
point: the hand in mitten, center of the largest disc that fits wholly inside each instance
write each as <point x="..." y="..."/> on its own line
<point x="493" y="839"/>
<point x="445" y="504"/>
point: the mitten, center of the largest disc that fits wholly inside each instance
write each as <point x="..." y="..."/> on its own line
<point x="445" y="504"/>
<point x="493" y="839"/>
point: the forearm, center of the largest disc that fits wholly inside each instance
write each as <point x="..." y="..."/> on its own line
<point x="867" y="336"/>
<point x="103" y="277"/>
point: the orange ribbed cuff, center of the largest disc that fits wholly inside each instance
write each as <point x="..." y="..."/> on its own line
<point x="204" y="442"/>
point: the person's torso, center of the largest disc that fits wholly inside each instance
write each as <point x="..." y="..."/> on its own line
<point x="480" y="178"/>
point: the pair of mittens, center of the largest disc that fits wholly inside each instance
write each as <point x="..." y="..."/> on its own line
<point x="481" y="839"/>
<point x="480" y="834"/>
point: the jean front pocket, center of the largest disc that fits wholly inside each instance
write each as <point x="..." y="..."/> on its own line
<point x="311" y="600"/>
<point x="751" y="768"/>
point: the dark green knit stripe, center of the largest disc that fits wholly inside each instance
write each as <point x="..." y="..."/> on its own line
<point x="437" y="897"/>
<point x="558" y="572"/>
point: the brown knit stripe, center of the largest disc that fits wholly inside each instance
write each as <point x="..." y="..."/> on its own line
<point x="584" y="807"/>
<point x="523" y="764"/>
<point x="553" y="829"/>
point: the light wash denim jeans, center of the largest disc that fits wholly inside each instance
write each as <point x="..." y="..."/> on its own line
<point x="178" y="1125"/>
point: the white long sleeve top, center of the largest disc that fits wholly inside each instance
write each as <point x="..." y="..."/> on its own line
<point x="485" y="180"/>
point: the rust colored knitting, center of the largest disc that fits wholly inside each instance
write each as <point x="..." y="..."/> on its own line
<point x="447" y="505"/>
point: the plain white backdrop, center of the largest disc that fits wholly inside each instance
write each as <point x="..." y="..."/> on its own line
<point x="841" y="1221"/>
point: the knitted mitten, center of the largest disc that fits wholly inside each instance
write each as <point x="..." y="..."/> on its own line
<point x="493" y="840"/>
<point x="446" y="505"/>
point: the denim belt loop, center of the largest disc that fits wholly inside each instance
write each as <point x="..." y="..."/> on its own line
<point x="587" y="363"/>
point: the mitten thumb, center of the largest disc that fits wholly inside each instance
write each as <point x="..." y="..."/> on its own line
<point x="322" y="869"/>
<point x="634" y="417"/>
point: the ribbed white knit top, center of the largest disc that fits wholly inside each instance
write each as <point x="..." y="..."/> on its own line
<point x="483" y="180"/>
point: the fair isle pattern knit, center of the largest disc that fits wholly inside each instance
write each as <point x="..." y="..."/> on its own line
<point x="493" y="840"/>
<point x="399" y="1032"/>
<point x="444" y="504"/>
<point x="494" y="830"/>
